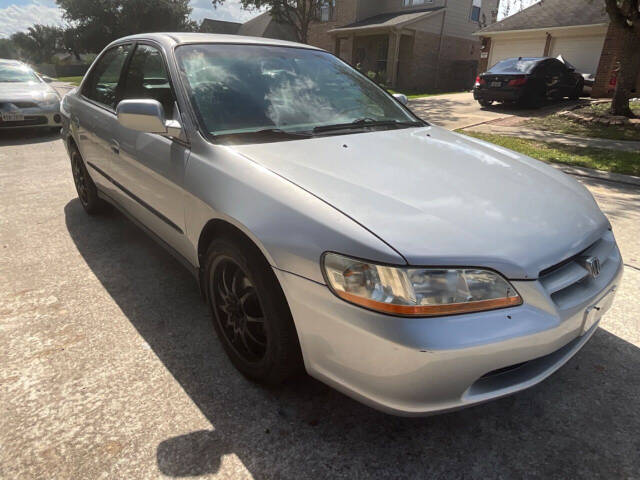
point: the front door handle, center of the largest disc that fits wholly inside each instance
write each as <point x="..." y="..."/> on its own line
<point x="115" y="147"/>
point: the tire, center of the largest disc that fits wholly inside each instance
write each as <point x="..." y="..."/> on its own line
<point x="485" y="103"/>
<point x="577" y="93"/>
<point x="250" y="313"/>
<point x="86" y="189"/>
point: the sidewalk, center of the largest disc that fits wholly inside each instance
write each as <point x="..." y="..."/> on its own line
<point x="561" y="138"/>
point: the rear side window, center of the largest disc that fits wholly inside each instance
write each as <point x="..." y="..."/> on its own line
<point x="105" y="75"/>
<point x="515" y="65"/>
<point x="147" y="78"/>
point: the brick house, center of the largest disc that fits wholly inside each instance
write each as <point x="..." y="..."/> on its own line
<point x="579" y="30"/>
<point x="409" y="44"/>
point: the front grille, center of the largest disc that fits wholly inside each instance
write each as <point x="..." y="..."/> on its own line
<point x="570" y="284"/>
<point x="27" y="122"/>
<point x="5" y="105"/>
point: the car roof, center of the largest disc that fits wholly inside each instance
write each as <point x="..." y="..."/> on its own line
<point x="529" y="59"/>
<point x="180" y="38"/>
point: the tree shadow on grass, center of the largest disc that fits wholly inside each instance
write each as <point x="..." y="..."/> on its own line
<point x="581" y="422"/>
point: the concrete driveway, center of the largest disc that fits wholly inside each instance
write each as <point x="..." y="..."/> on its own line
<point x="110" y="369"/>
<point x="459" y="110"/>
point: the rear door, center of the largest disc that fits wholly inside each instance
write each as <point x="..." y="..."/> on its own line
<point x="93" y="117"/>
<point x="150" y="167"/>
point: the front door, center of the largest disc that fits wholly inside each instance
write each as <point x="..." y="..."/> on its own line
<point x="150" y="167"/>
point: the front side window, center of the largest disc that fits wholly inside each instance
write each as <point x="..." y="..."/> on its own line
<point x="15" y="73"/>
<point x="248" y="88"/>
<point x="103" y="81"/>
<point x="147" y="78"/>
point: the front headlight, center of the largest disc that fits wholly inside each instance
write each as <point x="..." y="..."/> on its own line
<point x="420" y="292"/>
<point x="49" y="99"/>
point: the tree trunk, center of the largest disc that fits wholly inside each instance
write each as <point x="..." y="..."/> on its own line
<point x="627" y="74"/>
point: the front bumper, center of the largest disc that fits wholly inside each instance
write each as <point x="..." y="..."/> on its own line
<point x="34" y="117"/>
<point x="420" y="366"/>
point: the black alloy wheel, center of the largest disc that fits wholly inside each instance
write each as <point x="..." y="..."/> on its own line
<point x="238" y="310"/>
<point x="87" y="191"/>
<point x="79" y="178"/>
<point x="250" y="312"/>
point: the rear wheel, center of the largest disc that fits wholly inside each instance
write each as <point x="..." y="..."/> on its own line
<point x="250" y="313"/>
<point x="577" y="92"/>
<point x="87" y="191"/>
<point x="485" y="103"/>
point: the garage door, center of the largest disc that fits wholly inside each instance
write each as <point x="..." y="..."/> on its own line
<point x="508" y="48"/>
<point x="582" y="52"/>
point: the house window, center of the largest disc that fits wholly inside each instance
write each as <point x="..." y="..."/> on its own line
<point x="327" y="11"/>
<point x="476" y="6"/>
<point x="412" y="3"/>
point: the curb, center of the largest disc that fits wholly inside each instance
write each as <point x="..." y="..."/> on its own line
<point x="598" y="174"/>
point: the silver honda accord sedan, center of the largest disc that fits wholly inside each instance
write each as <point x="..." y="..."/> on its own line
<point x="333" y="231"/>
<point x="25" y="98"/>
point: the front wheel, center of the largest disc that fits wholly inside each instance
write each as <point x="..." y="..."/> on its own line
<point x="250" y="313"/>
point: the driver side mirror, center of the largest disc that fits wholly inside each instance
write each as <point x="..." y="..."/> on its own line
<point x="401" y="98"/>
<point x="146" y="115"/>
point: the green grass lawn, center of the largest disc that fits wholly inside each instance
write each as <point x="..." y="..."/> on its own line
<point x="72" y="80"/>
<point x="600" y="159"/>
<point x="414" y="94"/>
<point x="558" y="124"/>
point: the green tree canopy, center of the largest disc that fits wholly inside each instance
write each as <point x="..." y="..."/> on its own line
<point x="98" y="22"/>
<point x="38" y="44"/>
<point x="297" y="13"/>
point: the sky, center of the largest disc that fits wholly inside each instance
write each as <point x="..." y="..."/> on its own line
<point x="18" y="15"/>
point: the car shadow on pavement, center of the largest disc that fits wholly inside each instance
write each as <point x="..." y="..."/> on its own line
<point x="581" y="422"/>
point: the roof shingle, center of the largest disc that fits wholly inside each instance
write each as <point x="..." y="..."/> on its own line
<point x="553" y="13"/>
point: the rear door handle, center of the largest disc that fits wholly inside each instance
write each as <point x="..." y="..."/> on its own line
<point x="115" y="147"/>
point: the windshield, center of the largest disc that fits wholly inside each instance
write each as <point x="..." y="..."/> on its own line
<point x="17" y="74"/>
<point x="238" y="89"/>
<point x="515" y="65"/>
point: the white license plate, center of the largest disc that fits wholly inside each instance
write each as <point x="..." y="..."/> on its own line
<point x="594" y="313"/>
<point x="496" y="84"/>
<point x="12" y="117"/>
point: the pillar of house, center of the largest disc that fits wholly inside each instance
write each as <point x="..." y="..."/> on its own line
<point x="392" y="58"/>
<point x="483" y="65"/>
<point x="547" y="45"/>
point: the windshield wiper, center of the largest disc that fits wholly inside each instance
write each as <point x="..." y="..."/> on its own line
<point x="263" y="135"/>
<point x="366" y="122"/>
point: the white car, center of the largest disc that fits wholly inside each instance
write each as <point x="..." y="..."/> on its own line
<point x="26" y="99"/>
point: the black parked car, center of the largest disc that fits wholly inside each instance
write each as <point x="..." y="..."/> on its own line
<point x="528" y="82"/>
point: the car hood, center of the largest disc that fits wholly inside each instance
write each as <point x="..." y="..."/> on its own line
<point x="32" y="92"/>
<point x="441" y="198"/>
